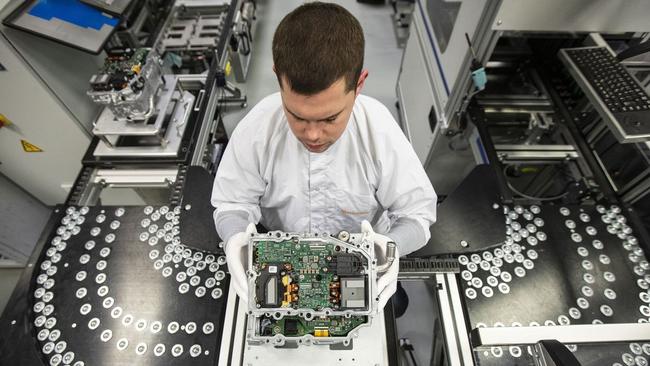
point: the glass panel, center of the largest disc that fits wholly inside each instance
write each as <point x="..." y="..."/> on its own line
<point x="442" y="15"/>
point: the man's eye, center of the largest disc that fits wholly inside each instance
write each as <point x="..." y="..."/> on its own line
<point x="330" y="120"/>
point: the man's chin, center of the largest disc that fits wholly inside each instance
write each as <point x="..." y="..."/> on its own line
<point x="316" y="148"/>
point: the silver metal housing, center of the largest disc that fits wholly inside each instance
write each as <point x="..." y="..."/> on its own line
<point x="127" y="104"/>
<point x="278" y="340"/>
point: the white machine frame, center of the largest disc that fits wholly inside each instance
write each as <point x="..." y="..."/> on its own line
<point x="434" y="82"/>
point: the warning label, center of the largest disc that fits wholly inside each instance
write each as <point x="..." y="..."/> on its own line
<point x="30" y="147"/>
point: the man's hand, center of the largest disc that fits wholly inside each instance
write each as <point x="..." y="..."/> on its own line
<point x="387" y="282"/>
<point x="237" y="258"/>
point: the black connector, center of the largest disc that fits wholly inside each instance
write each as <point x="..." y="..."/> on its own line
<point x="220" y="78"/>
<point x="345" y="264"/>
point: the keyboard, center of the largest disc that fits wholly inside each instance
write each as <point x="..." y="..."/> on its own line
<point x="617" y="96"/>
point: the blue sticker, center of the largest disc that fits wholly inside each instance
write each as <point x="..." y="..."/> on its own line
<point x="73" y="11"/>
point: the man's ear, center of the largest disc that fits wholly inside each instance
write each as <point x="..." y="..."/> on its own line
<point x="273" y="67"/>
<point x="360" y="83"/>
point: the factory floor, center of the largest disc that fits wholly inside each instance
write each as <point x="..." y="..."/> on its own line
<point x="8" y="279"/>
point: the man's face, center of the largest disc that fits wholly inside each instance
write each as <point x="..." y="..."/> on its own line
<point x="319" y="120"/>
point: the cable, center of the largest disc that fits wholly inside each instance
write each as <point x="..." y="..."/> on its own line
<point x="408" y="349"/>
<point x="523" y="195"/>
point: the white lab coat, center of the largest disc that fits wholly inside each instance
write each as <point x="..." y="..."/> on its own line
<point x="370" y="173"/>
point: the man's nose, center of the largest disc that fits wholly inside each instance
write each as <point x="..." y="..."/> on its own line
<point x="312" y="132"/>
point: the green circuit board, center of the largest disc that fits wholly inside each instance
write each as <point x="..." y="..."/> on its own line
<point x="119" y="69"/>
<point x="300" y="274"/>
<point x="124" y="61"/>
<point x="291" y="326"/>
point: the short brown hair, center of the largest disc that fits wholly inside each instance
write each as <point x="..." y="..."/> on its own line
<point x="317" y="44"/>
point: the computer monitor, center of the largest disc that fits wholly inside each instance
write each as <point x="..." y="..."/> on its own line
<point x="70" y="22"/>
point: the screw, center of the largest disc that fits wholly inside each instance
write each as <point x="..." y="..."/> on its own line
<point x="464" y="244"/>
<point x="499" y="22"/>
<point x="188" y="207"/>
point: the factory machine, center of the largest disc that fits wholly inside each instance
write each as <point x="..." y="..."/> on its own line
<point x="136" y="114"/>
<point x="160" y="112"/>
<point x="532" y="121"/>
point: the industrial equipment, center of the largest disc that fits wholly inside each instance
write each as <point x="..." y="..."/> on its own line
<point x="146" y="113"/>
<point x="147" y="125"/>
<point x="77" y="303"/>
<point x="557" y="194"/>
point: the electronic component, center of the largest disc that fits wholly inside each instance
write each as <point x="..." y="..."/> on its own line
<point x="127" y="83"/>
<point x="120" y="66"/>
<point x="345" y="264"/>
<point x="321" y="330"/>
<point x="267" y="289"/>
<point x="353" y="293"/>
<point x="314" y="288"/>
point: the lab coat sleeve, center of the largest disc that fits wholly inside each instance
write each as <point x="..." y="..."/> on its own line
<point x="238" y="185"/>
<point x="229" y="223"/>
<point x="405" y="191"/>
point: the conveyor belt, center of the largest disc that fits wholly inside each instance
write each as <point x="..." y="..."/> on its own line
<point x="113" y="285"/>
<point x="583" y="266"/>
<point x="465" y="224"/>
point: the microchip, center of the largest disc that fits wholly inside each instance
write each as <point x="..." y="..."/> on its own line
<point x="291" y="327"/>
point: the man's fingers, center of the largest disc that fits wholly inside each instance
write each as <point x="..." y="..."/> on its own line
<point x="239" y="290"/>
<point x="366" y="228"/>
<point x="380" y="252"/>
<point x="385" y="295"/>
<point x="237" y="273"/>
<point x="236" y="242"/>
<point x="250" y="229"/>
<point x="237" y="259"/>
<point x="389" y="276"/>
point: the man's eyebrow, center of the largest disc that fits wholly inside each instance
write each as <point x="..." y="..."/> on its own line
<point x="322" y="119"/>
<point x="293" y="114"/>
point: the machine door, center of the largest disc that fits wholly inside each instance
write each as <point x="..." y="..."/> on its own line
<point x="444" y="24"/>
<point x="416" y="96"/>
<point x="436" y="55"/>
<point x="42" y="148"/>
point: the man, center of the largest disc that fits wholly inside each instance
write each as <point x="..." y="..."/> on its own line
<point x="318" y="156"/>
